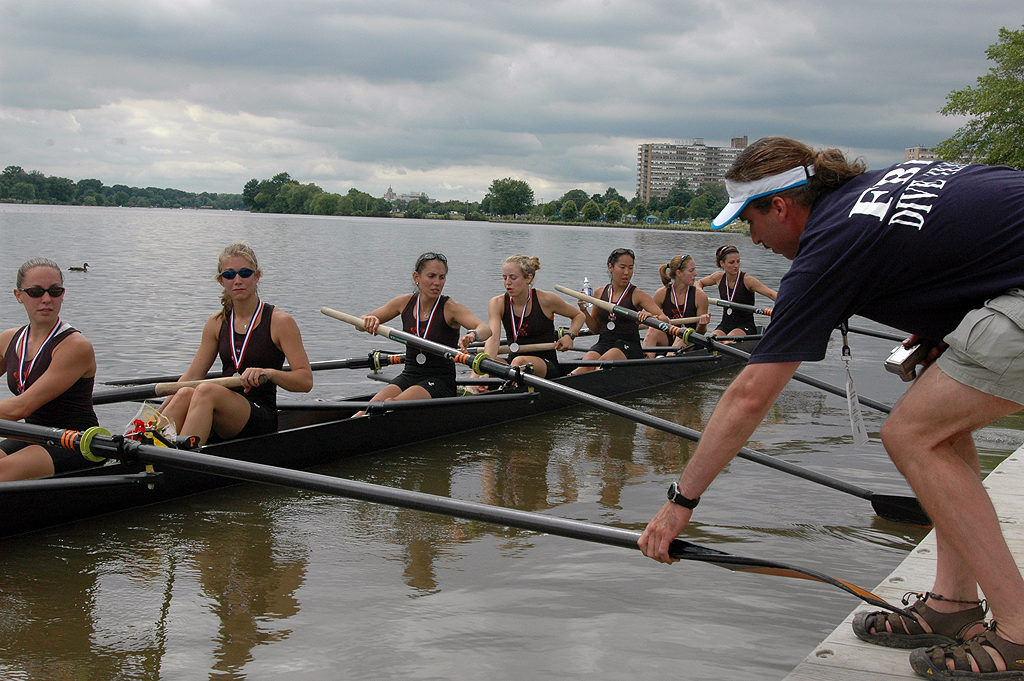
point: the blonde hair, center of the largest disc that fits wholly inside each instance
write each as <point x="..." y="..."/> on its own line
<point x="668" y="271"/>
<point x="773" y="155"/>
<point x="528" y="264"/>
<point x="37" y="262"/>
<point x="239" y="249"/>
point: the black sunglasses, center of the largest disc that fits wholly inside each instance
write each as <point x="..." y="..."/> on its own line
<point x="38" y="291"/>
<point x="244" y="273"/>
<point x="430" y="255"/>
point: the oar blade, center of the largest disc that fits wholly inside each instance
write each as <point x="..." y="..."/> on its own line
<point x="900" y="509"/>
<point x="686" y="551"/>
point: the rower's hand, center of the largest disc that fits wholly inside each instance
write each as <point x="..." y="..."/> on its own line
<point x="665" y="526"/>
<point x="370" y="324"/>
<point x="642" y="315"/>
<point x="564" y="343"/>
<point x="470" y="337"/>
<point x="253" y="377"/>
<point x="704" y="319"/>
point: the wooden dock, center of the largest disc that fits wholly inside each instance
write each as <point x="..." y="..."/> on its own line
<point x="844" y="657"/>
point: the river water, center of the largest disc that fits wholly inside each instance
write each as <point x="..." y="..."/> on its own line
<point x="266" y="583"/>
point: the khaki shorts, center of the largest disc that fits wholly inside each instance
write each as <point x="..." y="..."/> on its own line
<point x="986" y="351"/>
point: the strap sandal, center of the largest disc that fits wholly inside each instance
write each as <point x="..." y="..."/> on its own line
<point x="907" y="632"/>
<point x="932" y="662"/>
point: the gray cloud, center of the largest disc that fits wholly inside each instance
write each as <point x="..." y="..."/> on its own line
<point x="444" y="97"/>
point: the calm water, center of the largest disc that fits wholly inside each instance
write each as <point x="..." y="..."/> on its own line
<point x="265" y="583"/>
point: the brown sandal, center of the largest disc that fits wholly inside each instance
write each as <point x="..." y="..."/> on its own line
<point x="931" y="662"/>
<point x="908" y="633"/>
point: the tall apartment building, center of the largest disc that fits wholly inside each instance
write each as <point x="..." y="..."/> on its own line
<point x="919" y="154"/>
<point x="661" y="164"/>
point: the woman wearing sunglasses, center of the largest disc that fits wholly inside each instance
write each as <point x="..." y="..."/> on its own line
<point x="679" y="298"/>
<point x="50" y="370"/>
<point x="253" y="340"/>
<point x="619" y="336"/>
<point x="427" y="314"/>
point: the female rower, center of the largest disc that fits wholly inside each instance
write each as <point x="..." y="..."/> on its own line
<point x="736" y="287"/>
<point x="253" y="339"/>
<point x="427" y="314"/>
<point x="679" y="298"/>
<point x="619" y="336"/>
<point x="50" y="370"/>
<point x="527" y="314"/>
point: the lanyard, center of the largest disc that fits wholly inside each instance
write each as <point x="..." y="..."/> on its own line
<point x="686" y="297"/>
<point x="732" y="294"/>
<point x="23" y="340"/>
<point x="522" y="317"/>
<point x="611" y="315"/>
<point x="860" y="433"/>
<point x="237" y="355"/>
<point x="430" y="319"/>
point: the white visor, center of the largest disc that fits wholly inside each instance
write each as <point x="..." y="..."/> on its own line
<point x="742" y="193"/>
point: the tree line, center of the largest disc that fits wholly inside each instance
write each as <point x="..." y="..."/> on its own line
<point x="35" y="187"/>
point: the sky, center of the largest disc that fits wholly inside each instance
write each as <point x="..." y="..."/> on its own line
<point x="444" y="97"/>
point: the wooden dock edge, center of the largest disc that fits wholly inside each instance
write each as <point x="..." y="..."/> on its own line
<point x="844" y="657"/>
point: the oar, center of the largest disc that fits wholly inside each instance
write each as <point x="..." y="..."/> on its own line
<point x="709" y="342"/>
<point x="96" y="443"/>
<point x="766" y="311"/>
<point x="145" y="392"/>
<point x="899" y="509"/>
<point x="375" y="358"/>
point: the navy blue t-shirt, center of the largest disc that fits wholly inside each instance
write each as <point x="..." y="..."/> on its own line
<point x="915" y="247"/>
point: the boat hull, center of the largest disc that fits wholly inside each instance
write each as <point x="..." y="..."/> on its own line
<point x="319" y="433"/>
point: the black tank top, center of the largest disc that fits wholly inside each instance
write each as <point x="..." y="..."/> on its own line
<point x="439" y="332"/>
<point x="72" y="408"/>
<point x="536" y="327"/>
<point x="624" y="326"/>
<point x="261" y="353"/>
<point x="689" y="309"/>
<point x="737" y="318"/>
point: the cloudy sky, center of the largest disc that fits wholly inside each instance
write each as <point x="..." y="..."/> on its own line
<point x="445" y="96"/>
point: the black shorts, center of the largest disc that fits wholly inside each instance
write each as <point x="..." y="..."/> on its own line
<point x="435" y="384"/>
<point x="730" y="322"/>
<point x="629" y="346"/>
<point x="554" y="369"/>
<point x="262" y="420"/>
<point x="64" y="460"/>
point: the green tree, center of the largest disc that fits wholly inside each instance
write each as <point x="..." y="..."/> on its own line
<point x="996" y="103"/>
<point x="613" y="211"/>
<point x="510" y="196"/>
<point x="577" y="196"/>
<point x="591" y="211"/>
<point x="640" y="211"/>
<point x="569" y="210"/>
<point x="612" y="194"/>
<point x="23" y="191"/>
<point x="699" y="207"/>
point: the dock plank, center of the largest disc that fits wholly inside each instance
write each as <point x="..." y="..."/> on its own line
<point x="844" y="657"/>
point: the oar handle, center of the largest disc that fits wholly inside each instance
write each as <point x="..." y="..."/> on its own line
<point x="531" y="347"/>
<point x="165" y="389"/>
<point x="680" y="321"/>
<point x="357" y="322"/>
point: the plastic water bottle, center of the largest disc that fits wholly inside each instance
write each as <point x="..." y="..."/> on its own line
<point x="588" y="289"/>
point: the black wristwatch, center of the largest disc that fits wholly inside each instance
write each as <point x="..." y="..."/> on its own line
<point x="572" y="335"/>
<point x="676" y="498"/>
